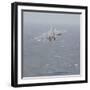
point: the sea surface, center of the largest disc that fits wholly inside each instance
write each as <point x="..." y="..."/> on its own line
<point x="50" y="58"/>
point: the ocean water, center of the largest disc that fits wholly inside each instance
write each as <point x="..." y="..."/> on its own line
<point x="45" y="58"/>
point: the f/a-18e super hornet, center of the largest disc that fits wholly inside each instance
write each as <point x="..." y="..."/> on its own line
<point x="51" y="35"/>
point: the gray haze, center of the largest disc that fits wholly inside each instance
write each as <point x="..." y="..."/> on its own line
<point x="51" y="19"/>
<point x="59" y="57"/>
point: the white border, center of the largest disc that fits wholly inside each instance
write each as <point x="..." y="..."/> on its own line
<point x="45" y="79"/>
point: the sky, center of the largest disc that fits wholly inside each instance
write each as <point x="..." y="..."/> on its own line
<point x="51" y="18"/>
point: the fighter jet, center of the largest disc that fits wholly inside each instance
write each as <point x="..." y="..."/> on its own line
<point x="51" y="35"/>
